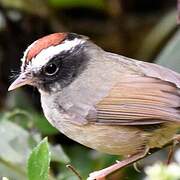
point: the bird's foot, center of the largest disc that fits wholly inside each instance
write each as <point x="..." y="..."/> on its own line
<point x="176" y="140"/>
<point x="104" y="173"/>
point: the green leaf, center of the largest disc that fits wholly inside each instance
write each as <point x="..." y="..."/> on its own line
<point x="38" y="162"/>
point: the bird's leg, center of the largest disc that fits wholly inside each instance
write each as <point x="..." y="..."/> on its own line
<point x="170" y="153"/>
<point x="74" y="171"/>
<point x="175" y="141"/>
<point x="102" y="174"/>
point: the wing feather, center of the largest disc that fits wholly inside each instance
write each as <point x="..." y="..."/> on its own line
<point x="139" y="100"/>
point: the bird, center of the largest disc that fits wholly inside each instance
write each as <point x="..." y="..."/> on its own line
<point x="102" y="100"/>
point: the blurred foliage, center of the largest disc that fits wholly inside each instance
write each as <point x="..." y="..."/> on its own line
<point x="161" y="171"/>
<point x="159" y="33"/>
<point x="169" y="56"/>
<point x="77" y="3"/>
<point x="143" y="29"/>
<point x="29" y="6"/>
<point x="17" y="143"/>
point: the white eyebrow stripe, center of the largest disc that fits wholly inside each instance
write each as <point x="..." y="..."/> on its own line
<point x="23" y="59"/>
<point x="46" y="54"/>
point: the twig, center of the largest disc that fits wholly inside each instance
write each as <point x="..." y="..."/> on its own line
<point x="70" y="167"/>
<point x="105" y="173"/>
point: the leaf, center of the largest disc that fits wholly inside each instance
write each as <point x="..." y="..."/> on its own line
<point x="14" y="142"/>
<point x="38" y="162"/>
<point x="157" y="36"/>
<point x="169" y="57"/>
<point x="14" y="149"/>
<point x="31" y="119"/>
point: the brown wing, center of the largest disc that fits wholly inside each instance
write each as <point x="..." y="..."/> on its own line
<point x="139" y="100"/>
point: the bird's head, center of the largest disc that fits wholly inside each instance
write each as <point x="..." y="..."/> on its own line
<point x="53" y="62"/>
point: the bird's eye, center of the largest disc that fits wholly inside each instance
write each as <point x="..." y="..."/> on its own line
<point x="50" y="69"/>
